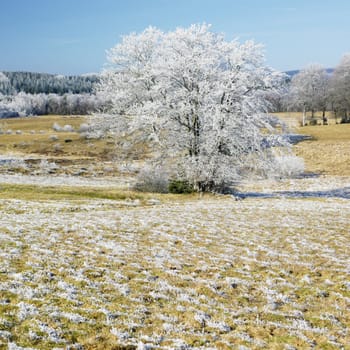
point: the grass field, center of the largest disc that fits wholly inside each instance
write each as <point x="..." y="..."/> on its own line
<point x="36" y="136"/>
<point x="87" y="264"/>
<point x="328" y="152"/>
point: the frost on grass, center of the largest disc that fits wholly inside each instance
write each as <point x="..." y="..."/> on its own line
<point x="201" y="273"/>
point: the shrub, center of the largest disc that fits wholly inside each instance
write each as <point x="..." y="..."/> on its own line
<point x="152" y="180"/>
<point x="84" y="128"/>
<point x="53" y="138"/>
<point x="289" y="166"/>
<point x="180" y="186"/>
<point x="57" y="147"/>
<point x="313" y="122"/>
<point x="56" y="127"/>
<point x="68" y="128"/>
<point x="344" y="120"/>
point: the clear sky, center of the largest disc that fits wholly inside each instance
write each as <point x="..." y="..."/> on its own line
<point x="72" y="36"/>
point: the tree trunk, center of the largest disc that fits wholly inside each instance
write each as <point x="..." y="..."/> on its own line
<point x="304" y="116"/>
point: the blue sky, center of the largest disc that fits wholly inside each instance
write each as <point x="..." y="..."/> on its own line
<point x="72" y="36"/>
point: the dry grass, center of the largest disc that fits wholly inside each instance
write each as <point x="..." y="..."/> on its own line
<point x="36" y="139"/>
<point x="328" y="152"/>
<point x="44" y="123"/>
<point x="87" y="267"/>
<point x="209" y="273"/>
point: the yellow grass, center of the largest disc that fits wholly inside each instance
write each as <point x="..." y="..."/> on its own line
<point x="38" y="123"/>
<point x="103" y="268"/>
<point x="36" y="137"/>
<point x="329" y="151"/>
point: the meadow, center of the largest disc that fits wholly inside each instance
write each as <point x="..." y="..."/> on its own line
<point x="87" y="263"/>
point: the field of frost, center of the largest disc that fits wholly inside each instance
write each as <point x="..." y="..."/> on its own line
<point x="267" y="269"/>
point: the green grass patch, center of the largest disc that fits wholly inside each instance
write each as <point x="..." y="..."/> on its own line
<point x="38" y="193"/>
<point x="32" y="192"/>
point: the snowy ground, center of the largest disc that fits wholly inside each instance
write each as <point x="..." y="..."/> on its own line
<point x="64" y="180"/>
<point x="270" y="271"/>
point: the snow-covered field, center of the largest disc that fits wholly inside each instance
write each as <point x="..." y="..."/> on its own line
<point x="270" y="271"/>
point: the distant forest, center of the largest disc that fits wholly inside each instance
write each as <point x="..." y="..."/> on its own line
<point x="42" y="83"/>
<point x="27" y="93"/>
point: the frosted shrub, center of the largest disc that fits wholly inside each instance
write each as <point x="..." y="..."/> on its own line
<point x="57" y="147"/>
<point x="152" y="180"/>
<point x="84" y="128"/>
<point x="56" y="127"/>
<point x="65" y="128"/>
<point x="47" y="167"/>
<point x="68" y="128"/>
<point x="289" y="166"/>
<point x="53" y="138"/>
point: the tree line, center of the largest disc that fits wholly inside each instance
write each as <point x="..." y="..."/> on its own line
<point x="42" y="83"/>
<point x="27" y="93"/>
<point x="24" y="104"/>
<point x="315" y="89"/>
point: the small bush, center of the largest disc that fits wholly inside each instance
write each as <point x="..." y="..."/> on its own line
<point x="53" y="138"/>
<point x="180" y="186"/>
<point x="84" y="128"/>
<point x="152" y="180"/>
<point x="56" y="127"/>
<point x="68" y="128"/>
<point x="57" y="147"/>
<point x="289" y="166"/>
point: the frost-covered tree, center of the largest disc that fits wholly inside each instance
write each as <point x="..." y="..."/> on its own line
<point x="309" y="90"/>
<point x="201" y="99"/>
<point x="340" y="88"/>
<point x="3" y="78"/>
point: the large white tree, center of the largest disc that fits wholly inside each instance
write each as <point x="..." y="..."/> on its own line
<point x="200" y="98"/>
